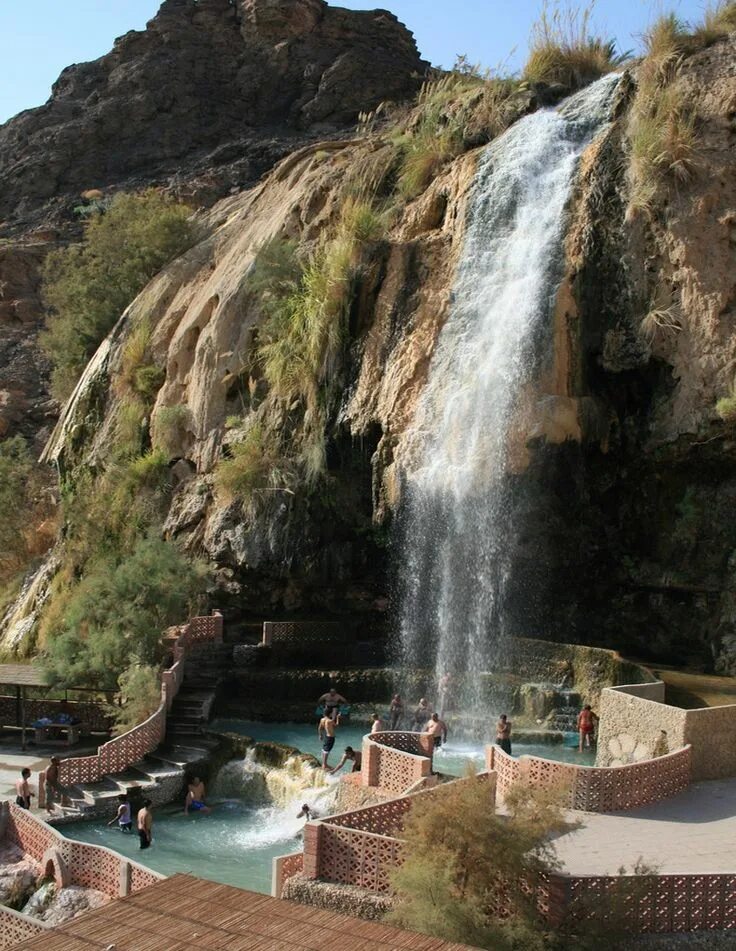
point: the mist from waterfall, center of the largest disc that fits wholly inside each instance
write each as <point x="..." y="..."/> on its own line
<point x="455" y="526"/>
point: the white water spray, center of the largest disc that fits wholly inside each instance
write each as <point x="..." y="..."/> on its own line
<point x="456" y="525"/>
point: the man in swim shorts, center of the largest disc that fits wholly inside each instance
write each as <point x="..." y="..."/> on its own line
<point x="195" y="797"/>
<point x="332" y="700"/>
<point x="437" y="729"/>
<point x="326" y="733"/>
<point x="145" y="823"/>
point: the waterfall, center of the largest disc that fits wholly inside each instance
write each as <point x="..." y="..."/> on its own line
<point x="280" y="786"/>
<point x="456" y="522"/>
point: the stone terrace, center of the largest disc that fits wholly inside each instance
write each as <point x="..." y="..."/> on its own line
<point x="692" y="833"/>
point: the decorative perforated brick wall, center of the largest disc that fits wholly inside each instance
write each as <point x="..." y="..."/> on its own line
<point x="284" y="867"/>
<point x="15" y="928"/>
<point x="596" y="788"/>
<point x="130" y="747"/>
<point x="91" y="866"/>
<point x="395" y="761"/>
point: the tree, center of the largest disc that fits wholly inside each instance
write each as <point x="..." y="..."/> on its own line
<point x="88" y="286"/>
<point x="116" y="615"/>
<point x="22" y="505"/>
<point x="464" y="861"/>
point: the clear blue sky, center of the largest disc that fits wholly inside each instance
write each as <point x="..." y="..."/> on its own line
<point x="37" y="39"/>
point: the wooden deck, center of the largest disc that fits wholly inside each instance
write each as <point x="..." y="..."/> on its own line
<point x="184" y="913"/>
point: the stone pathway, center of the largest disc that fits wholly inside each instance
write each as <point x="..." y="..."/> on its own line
<point x="694" y="832"/>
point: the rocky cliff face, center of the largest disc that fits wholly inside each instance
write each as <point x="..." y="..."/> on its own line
<point x="624" y="499"/>
<point x="211" y="93"/>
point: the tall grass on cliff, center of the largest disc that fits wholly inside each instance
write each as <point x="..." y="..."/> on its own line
<point x="662" y="123"/>
<point x="25" y="528"/>
<point x="301" y="343"/>
<point x="87" y="286"/>
<point x="565" y="51"/>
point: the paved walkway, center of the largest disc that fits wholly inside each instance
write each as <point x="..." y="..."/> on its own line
<point x="695" y="833"/>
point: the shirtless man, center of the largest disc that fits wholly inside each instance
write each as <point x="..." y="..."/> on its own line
<point x="332" y="700"/>
<point x="503" y="733"/>
<point x="145" y="824"/>
<point x="350" y="754"/>
<point x="195" y="797"/>
<point x="326" y="733"/>
<point x="376" y="723"/>
<point x="52" y="784"/>
<point x="23" y="790"/>
<point x="421" y="715"/>
<point x="307" y="812"/>
<point x="437" y="729"/>
<point x="396" y="710"/>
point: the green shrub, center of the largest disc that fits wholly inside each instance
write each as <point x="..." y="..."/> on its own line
<point x="461" y="856"/>
<point x="254" y="465"/>
<point x="138" y="374"/>
<point x="115" y="616"/>
<point x="88" y="286"/>
<point x="563" y="50"/>
<point x="169" y="428"/>
<point x="726" y="409"/>
<point x="139" y="696"/>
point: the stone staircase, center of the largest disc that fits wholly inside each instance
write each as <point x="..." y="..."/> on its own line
<point x="161" y="775"/>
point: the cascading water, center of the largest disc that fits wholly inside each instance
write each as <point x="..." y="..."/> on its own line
<point x="456" y="523"/>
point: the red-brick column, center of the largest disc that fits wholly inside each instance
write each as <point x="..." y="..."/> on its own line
<point x="312" y="842"/>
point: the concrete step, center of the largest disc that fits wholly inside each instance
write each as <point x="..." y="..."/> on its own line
<point x="156" y="769"/>
<point x="130" y="777"/>
<point x="179" y="756"/>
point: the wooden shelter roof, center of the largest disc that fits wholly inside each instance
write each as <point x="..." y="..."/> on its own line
<point x="183" y="913"/>
<point x="22" y="675"/>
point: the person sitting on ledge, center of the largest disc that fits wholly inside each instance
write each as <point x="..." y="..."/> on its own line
<point x="377" y="724"/>
<point x="332" y="700"/>
<point x="195" y="797"/>
<point x="437" y="729"/>
<point x="421" y="715"/>
<point x="503" y="733"/>
<point x="350" y="754"/>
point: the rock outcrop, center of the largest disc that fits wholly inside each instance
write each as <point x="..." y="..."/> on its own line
<point x="214" y="89"/>
<point x="625" y="484"/>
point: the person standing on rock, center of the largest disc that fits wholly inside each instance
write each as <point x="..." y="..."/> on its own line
<point x="396" y="711"/>
<point x="23" y="789"/>
<point x="326" y="734"/>
<point x="503" y="733"/>
<point x="145" y="824"/>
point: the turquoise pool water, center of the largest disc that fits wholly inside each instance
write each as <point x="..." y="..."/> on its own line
<point x="451" y="759"/>
<point x="237" y="841"/>
<point x="234" y="844"/>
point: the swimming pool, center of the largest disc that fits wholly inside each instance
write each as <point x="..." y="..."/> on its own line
<point x="234" y="844"/>
<point x="237" y="841"/>
<point x="452" y="758"/>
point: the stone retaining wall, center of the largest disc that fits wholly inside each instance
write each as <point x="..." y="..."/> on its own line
<point x="637" y="724"/>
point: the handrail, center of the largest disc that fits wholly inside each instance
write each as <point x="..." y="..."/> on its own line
<point x="122" y="751"/>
